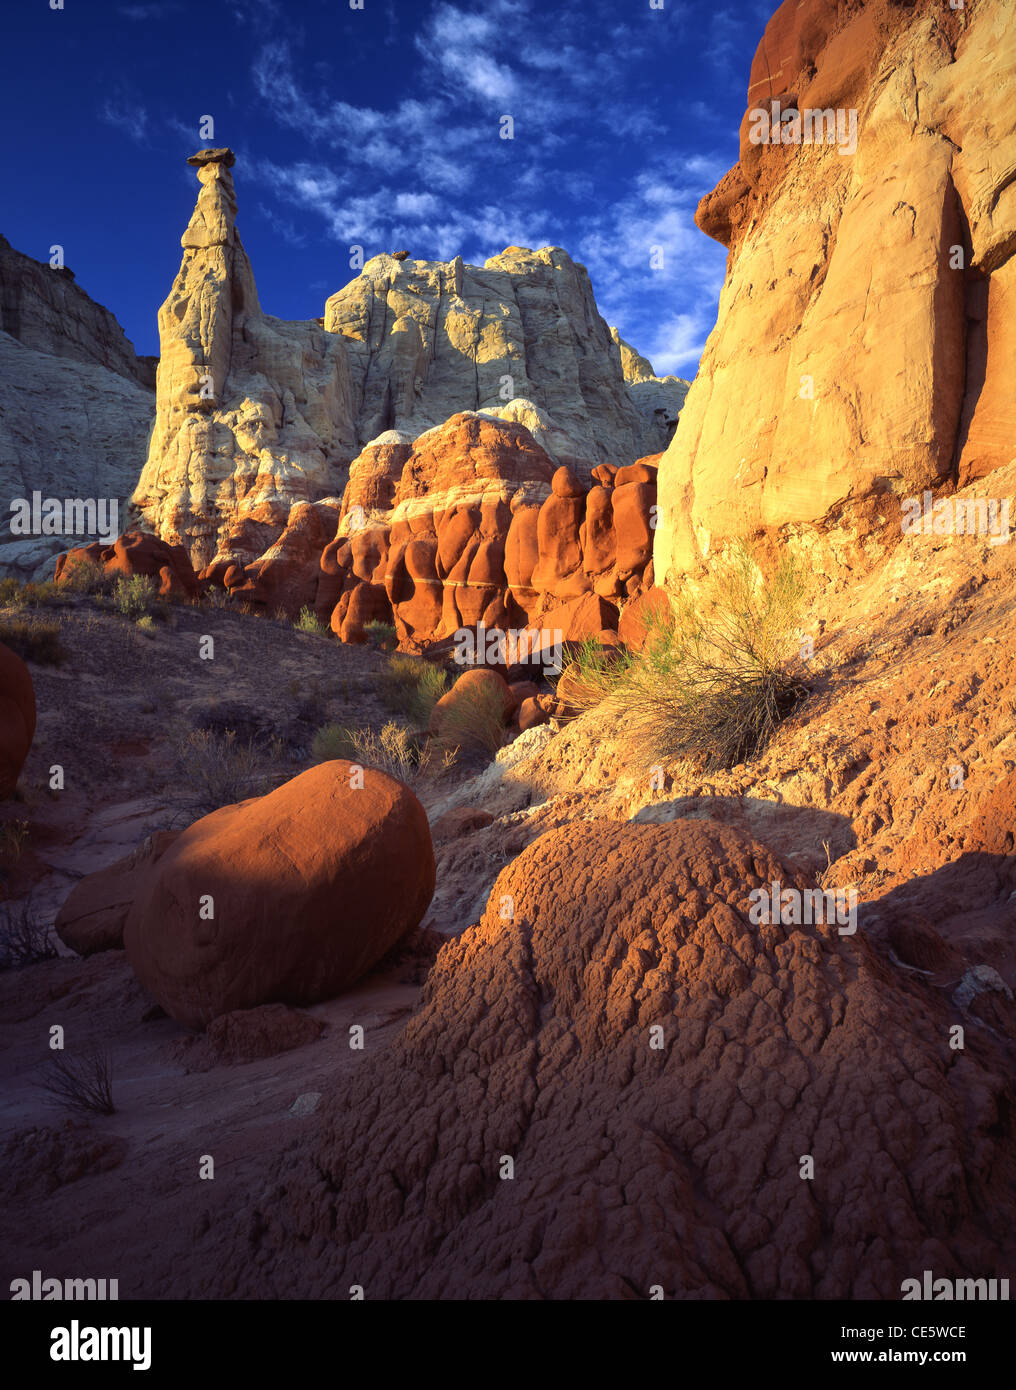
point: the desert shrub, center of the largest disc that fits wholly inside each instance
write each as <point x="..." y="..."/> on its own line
<point x="83" y="576"/>
<point x="394" y="750"/>
<point x="24" y="938"/>
<point x="716" y="676"/>
<point x="11" y="593"/>
<point x="13" y="834"/>
<point x="594" y="672"/>
<point x="216" y="596"/>
<point x="308" y="621"/>
<point x="134" y="595"/>
<point x="473" y="720"/>
<point x="14" y="594"/>
<point x="47" y="591"/>
<point x="33" y="639"/>
<point x="380" y="636"/>
<point x="146" y="625"/>
<point x="215" y="769"/>
<point x="82" y="1083"/>
<point x="411" y="686"/>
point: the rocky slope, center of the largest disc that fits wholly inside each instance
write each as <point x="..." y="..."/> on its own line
<point x="76" y="404"/>
<point x="634" y="1166"/>
<point x="865" y="345"/>
<point x="256" y="414"/>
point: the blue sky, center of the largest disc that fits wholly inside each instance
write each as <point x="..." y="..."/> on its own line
<point x="379" y="127"/>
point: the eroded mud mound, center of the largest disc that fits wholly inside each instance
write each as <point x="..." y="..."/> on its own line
<point x="679" y="1167"/>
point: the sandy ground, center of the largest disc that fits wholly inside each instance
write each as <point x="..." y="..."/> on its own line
<point x="111" y="716"/>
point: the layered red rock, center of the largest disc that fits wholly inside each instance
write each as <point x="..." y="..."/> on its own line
<point x="288" y="898"/>
<point x="485" y="532"/>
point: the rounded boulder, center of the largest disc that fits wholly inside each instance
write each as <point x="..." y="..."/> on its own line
<point x="17" y="718"/>
<point x="479" y="697"/>
<point x="287" y="898"/>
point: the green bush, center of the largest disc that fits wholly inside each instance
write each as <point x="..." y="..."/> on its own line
<point x="594" y="672"/>
<point x="49" y="591"/>
<point x="134" y="595"/>
<point x="308" y="622"/>
<point x="411" y="686"/>
<point x="394" y="750"/>
<point x="11" y="593"/>
<point x="715" y="677"/>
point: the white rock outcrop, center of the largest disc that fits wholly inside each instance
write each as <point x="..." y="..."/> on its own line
<point x="255" y="414"/>
<point x="427" y="339"/>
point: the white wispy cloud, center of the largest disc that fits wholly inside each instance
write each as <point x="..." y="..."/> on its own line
<point x="127" y="115"/>
<point x="648" y="263"/>
<point x="428" y="172"/>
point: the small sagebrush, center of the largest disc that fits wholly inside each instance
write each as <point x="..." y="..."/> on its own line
<point x="473" y="719"/>
<point x="394" y="750"/>
<point x="308" y="621"/>
<point x="215" y="769"/>
<point x="380" y="636"/>
<point x="134" y="595"/>
<point x="84" y="576"/>
<point x="11" y="593"/>
<point x="84" y="1083"/>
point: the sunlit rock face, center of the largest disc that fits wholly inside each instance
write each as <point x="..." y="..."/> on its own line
<point x="256" y="414"/>
<point x="862" y="349"/>
<point x="429" y="338"/>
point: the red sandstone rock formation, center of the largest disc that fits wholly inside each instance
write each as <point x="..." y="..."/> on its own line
<point x="17" y="718"/>
<point x="92" y="917"/>
<point x="136" y="552"/>
<point x="287" y="575"/>
<point x="481" y="531"/>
